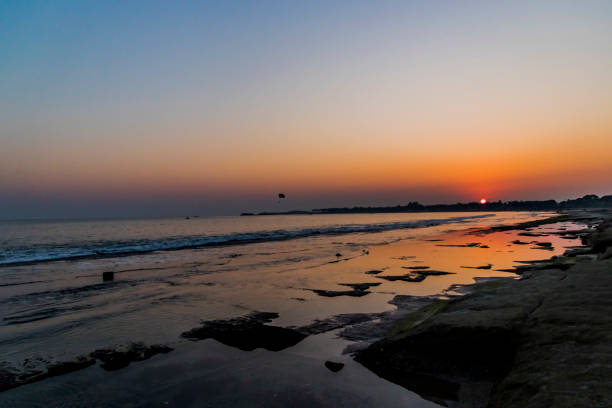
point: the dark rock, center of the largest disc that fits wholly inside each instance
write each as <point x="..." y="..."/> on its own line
<point x="488" y="266"/>
<point x="373" y="272"/>
<point x="108" y="276"/>
<point x="338" y="321"/>
<point x="405" y="278"/>
<point x="415" y="267"/>
<point x="11" y="377"/>
<point x="531" y="234"/>
<point x="432" y="272"/>
<point x="338" y="254"/>
<point x="247" y="333"/>
<point x="470" y="245"/>
<point x="540" y="341"/>
<point x="335" y="293"/>
<point x="519" y="242"/>
<point x="333" y="366"/>
<point x="114" y="359"/>
<point x="360" y="286"/>
<point x="543" y="244"/>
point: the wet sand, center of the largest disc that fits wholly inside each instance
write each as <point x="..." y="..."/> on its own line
<point x="336" y="307"/>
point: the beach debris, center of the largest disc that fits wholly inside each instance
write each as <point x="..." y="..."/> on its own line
<point x="333" y="366"/>
<point x="108" y="276"/>
<point x="247" y="333"/>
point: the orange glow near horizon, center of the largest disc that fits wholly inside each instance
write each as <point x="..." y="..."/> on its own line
<point x="483" y="201"/>
<point x="387" y="106"/>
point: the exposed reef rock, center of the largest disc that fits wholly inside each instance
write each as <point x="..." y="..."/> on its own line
<point x="542" y="341"/>
<point x="333" y="366"/>
<point x="12" y="377"/>
<point x="114" y="359"/>
<point x="247" y="332"/>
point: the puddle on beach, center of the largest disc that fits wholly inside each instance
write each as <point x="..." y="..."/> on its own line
<point x="156" y="297"/>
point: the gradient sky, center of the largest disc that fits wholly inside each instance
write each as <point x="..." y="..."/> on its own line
<point x="170" y="108"/>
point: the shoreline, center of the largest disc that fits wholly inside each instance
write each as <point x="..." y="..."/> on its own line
<point x="348" y="329"/>
<point x="542" y="340"/>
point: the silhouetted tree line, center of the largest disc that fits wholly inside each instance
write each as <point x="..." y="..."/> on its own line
<point x="588" y="201"/>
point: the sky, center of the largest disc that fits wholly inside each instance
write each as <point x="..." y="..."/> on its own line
<point x="154" y="108"/>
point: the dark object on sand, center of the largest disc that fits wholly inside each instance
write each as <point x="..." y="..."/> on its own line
<point x="115" y="359"/>
<point x="108" y="276"/>
<point x="488" y="266"/>
<point x="373" y="272"/>
<point x="405" y="278"/>
<point x="531" y="234"/>
<point x="360" y="286"/>
<point x="247" y="333"/>
<point x="469" y="245"/>
<point x="416" y="267"/>
<point x="336" y="293"/>
<point x="338" y="254"/>
<point x="432" y="272"/>
<point x="359" y="289"/>
<point x="519" y="242"/>
<point x="11" y="377"/>
<point x="543" y="244"/>
<point x="333" y="366"/>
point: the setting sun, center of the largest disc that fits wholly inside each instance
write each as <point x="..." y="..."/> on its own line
<point x="483" y="201"/>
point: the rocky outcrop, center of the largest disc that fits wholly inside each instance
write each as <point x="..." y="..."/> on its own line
<point x="542" y="341"/>
<point x="247" y="332"/>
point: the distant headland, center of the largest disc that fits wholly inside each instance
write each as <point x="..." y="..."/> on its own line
<point x="587" y="201"/>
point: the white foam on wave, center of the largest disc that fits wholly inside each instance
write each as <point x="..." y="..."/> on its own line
<point x="117" y="248"/>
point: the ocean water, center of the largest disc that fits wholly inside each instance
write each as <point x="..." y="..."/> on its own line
<point x="35" y="241"/>
<point x="171" y="274"/>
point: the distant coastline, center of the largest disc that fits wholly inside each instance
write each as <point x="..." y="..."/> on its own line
<point x="587" y="201"/>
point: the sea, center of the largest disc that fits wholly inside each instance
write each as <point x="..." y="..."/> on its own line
<point x="172" y="274"/>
